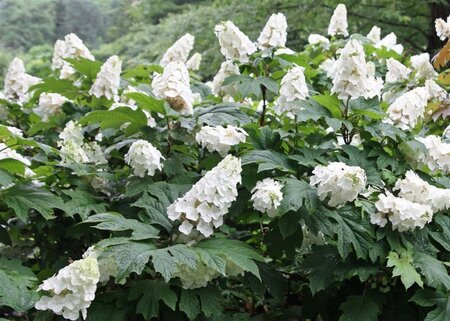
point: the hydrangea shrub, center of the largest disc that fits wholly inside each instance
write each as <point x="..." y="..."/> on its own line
<point x="307" y="185"/>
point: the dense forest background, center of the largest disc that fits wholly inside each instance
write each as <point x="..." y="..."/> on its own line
<point x="141" y="30"/>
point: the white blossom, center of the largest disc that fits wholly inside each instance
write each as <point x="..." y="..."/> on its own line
<point x="328" y="66"/>
<point x="340" y="182"/>
<point x="194" y="62"/>
<point x="338" y="22"/>
<point x="107" y="266"/>
<point x="267" y="196"/>
<point x="14" y="130"/>
<point x="293" y="88"/>
<point x="18" y="82"/>
<point x="397" y="72"/>
<point x="442" y="28"/>
<point x="422" y="66"/>
<point x="59" y="52"/>
<point x="352" y="76"/>
<point x="390" y="42"/>
<point x="374" y="34"/>
<point x="316" y="40"/>
<point x="227" y="69"/>
<point x="49" y="105"/>
<point x="107" y="81"/>
<point x="144" y="158"/>
<point x="202" y="208"/>
<point x="8" y="153"/>
<point x="403" y="214"/>
<point x="234" y="44"/>
<point x="219" y="138"/>
<point x="195" y="278"/>
<point x="274" y="33"/>
<point x="71" y="290"/>
<point x="437" y="156"/>
<point x="408" y="109"/>
<point x="173" y="85"/>
<point x="435" y="91"/>
<point x="413" y="188"/>
<point x="179" y="51"/>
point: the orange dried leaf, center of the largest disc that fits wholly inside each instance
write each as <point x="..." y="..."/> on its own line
<point x="442" y="57"/>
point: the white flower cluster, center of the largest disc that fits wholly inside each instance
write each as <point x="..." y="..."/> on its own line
<point x="195" y="278"/>
<point x="194" y="62"/>
<point x="389" y="42"/>
<point x="205" y="204"/>
<point x="6" y="152"/>
<point x="442" y="28"/>
<point x="144" y="158"/>
<point x="71" y="290"/>
<point x="18" y="82"/>
<point x="267" y="196"/>
<point x="234" y="44"/>
<point x="435" y="92"/>
<point x="414" y="189"/>
<point x="407" y="109"/>
<point x="107" y="81"/>
<point x="49" y="105"/>
<point x="293" y="88"/>
<point x="274" y="33"/>
<point x="227" y="69"/>
<point x="74" y="150"/>
<point x="71" y="47"/>
<point x="374" y="34"/>
<point x="338" y="22"/>
<point x="396" y="71"/>
<point x="179" y="51"/>
<point x="403" y="214"/>
<point x="219" y="138"/>
<point x="422" y="66"/>
<point x="352" y="76"/>
<point x="173" y="86"/>
<point x="438" y="154"/>
<point x="340" y="182"/>
<point x="316" y="40"/>
<point x="107" y="267"/>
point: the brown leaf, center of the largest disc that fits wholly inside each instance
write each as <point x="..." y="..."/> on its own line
<point x="442" y="57"/>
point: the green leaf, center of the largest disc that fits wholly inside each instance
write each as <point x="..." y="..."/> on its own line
<point x="433" y="270"/>
<point x="296" y="194"/>
<point x="330" y="102"/>
<point x="222" y="114"/>
<point x="403" y="267"/>
<point x="86" y="67"/>
<point x="83" y="203"/>
<point x="210" y="301"/>
<point x="367" y="107"/>
<point x="22" y="198"/>
<point x="55" y="85"/>
<point x="131" y="120"/>
<point x="147" y="102"/>
<point x="442" y="236"/>
<point x="267" y="160"/>
<point x="12" y="166"/>
<point x="247" y="85"/>
<point x="361" y="308"/>
<point x="189" y="304"/>
<point x="441" y="301"/>
<point x="116" y="222"/>
<point x="129" y="257"/>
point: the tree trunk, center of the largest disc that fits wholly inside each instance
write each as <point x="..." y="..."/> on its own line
<point x="437" y="10"/>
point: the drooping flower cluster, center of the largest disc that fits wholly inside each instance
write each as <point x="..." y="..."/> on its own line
<point x="267" y="196"/>
<point x="227" y="69"/>
<point x="293" y="88"/>
<point x="107" y="267"/>
<point x="49" y="105"/>
<point x="144" y="158"/>
<point x="71" y="290"/>
<point x="338" y="22"/>
<point x="397" y="72"/>
<point x="107" y="81"/>
<point x="74" y="150"/>
<point x="442" y="28"/>
<point x="194" y="62"/>
<point x="340" y="182"/>
<point x="179" y="51"/>
<point x="274" y="33"/>
<point x="408" y="109"/>
<point x="413" y="188"/>
<point x="435" y="92"/>
<point x="403" y="214"/>
<point x="71" y="47"/>
<point x="352" y="76"/>
<point x="18" y="82"/>
<point x="389" y="41"/>
<point x="173" y="86"/>
<point x="234" y="44"/>
<point x="219" y="138"/>
<point x="195" y="278"/>
<point x="422" y="66"/>
<point x="315" y="40"/>
<point x="438" y="154"/>
<point x="204" y="205"/>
